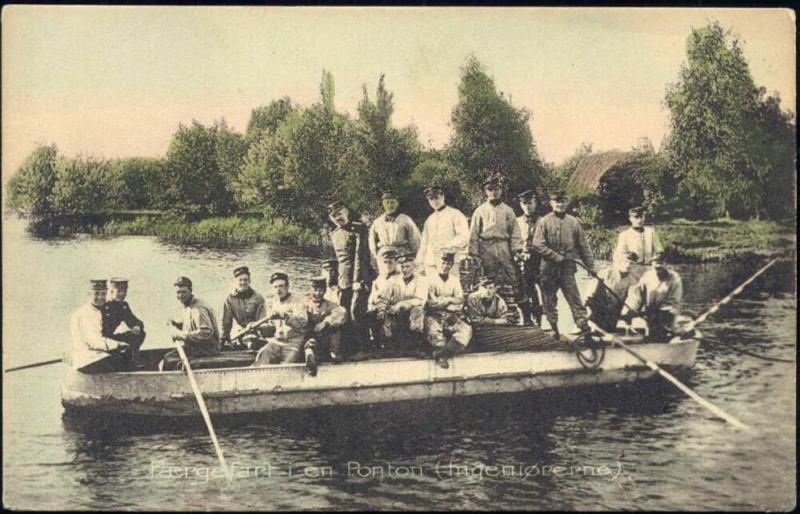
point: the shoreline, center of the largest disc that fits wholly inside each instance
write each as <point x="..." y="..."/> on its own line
<point x="684" y="241"/>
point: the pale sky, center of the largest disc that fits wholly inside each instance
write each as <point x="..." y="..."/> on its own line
<point x="116" y="81"/>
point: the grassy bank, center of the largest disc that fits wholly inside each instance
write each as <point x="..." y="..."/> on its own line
<point x="708" y="241"/>
<point x="227" y="230"/>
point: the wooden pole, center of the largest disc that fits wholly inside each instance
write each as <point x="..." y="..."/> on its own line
<point x="203" y="409"/>
<point x="35" y="365"/>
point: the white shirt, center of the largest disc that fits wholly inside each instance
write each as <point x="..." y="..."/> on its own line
<point x="449" y="288"/>
<point x="415" y="289"/>
<point x="445" y="229"/>
<point x="87" y="345"/>
<point x="644" y="244"/>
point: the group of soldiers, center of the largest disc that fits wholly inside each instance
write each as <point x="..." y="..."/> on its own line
<point x="394" y="290"/>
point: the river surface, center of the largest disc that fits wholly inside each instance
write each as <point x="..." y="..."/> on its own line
<point x="636" y="447"/>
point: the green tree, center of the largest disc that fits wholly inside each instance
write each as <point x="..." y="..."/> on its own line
<point x="265" y="120"/>
<point x="81" y="186"/>
<point x="135" y="183"/>
<point x="490" y="134"/>
<point x="198" y="169"/>
<point x="433" y="167"/>
<point x="720" y="129"/>
<point x="30" y="189"/>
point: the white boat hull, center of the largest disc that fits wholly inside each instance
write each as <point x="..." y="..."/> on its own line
<point x="248" y="390"/>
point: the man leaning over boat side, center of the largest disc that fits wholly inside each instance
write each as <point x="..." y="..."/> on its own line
<point x="445" y="230"/>
<point x="639" y="239"/>
<point x="290" y="319"/>
<point x="350" y="246"/>
<point x="325" y="322"/>
<point x="198" y="330"/>
<point x="445" y="327"/>
<point x="392" y="230"/>
<point x="117" y="312"/>
<point x="245" y="306"/>
<point x="485" y="306"/>
<point x="90" y="351"/>
<point x="405" y="316"/>
<point x="606" y="300"/>
<point x="560" y="240"/>
<point x="657" y="297"/>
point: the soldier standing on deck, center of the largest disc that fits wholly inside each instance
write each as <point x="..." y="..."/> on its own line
<point x="117" y="311"/>
<point x="392" y="230"/>
<point x="529" y="260"/>
<point x="640" y="240"/>
<point x="495" y="237"/>
<point x="560" y="240"/>
<point x="349" y="241"/>
<point x="445" y="230"/>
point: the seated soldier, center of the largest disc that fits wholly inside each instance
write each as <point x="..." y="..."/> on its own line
<point x="244" y="306"/>
<point x="325" y="321"/>
<point x="657" y="298"/>
<point x="405" y="313"/>
<point x="330" y="270"/>
<point x="290" y="319"/>
<point x="198" y="331"/>
<point x="116" y="314"/>
<point x="485" y="306"/>
<point x="90" y="351"/>
<point x="447" y="331"/>
<point x="606" y="300"/>
<point x="384" y="292"/>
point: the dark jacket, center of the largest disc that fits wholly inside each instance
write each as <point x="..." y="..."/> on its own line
<point x="351" y="247"/>
<point x="114" y="313"/>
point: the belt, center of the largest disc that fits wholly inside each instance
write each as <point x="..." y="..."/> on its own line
<point x="495" y="239"/>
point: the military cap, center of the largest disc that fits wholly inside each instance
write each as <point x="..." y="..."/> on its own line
<point x="491" y="180"/>
<point x="319" y="281"/>
<point x="387" y="253"/>
<point x="337" y="205"/>
<point x="487" y="280"/>
<point x="448" y="256"/>
<point x="558" y="195"/>
<point x="183" y="282"/>
<point x="119" y="281"/>
<point x="98" y="284"/>
<point x="388" y="195"/>
<point x="636" y="211"/>
<point x="406" y="257"/>
<point x="241" y="270"/>
<point x="526" y="194"/>
<point x="330" y="264"/>
<point x="632" y="256"/>
<point x="433" y="188"/>
<point x="279" y="275"/>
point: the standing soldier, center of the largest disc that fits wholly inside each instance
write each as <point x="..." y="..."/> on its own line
<point x="447" y="331"/>
<point x="350" y="245"/>
<point x="445" y="230"/>
<point x="245" y="306"/>
<point x="495" y="237"/>
<point x="325" y="320"/>
<point x="559" y="239"/>
<point x="393" y="231"/>
<point x="640" y="240"/>
<point x="529" y="260"/>
<point x="116" y="311"/>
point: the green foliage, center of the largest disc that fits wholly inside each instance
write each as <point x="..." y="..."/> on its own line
<point x="490" y="134"/>
<point x="135" y="183"/>
<point x="80" y="186"/>
<point x="200" y="166"/>
<point x="264" y="120"/>
<point x="433" y="167"/>
<point x="558" y="177"/>
<point x="30" y="189"/>
<point x="728" y="144"/>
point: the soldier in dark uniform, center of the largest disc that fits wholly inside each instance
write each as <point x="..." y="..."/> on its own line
<point x="529" y="260"/>
<point x="117" y="311"/>
<point x="351" y="247"/>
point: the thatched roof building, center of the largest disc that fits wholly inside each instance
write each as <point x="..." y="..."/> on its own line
<point x="592" y="168"/>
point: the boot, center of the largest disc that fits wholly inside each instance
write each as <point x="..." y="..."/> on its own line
<point x="311" y="362"/>
<point x="527" y="313"/>
<point x="556" y="334"/>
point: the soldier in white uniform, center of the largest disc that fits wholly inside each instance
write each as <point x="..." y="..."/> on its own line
<point x="445" y="327"/>
<point x="89" y="350"/>
<point x="638" y="239"/>
<point x="445" y="230"/>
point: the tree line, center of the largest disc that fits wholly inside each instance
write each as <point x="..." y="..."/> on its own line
<point x="730" y="152"/>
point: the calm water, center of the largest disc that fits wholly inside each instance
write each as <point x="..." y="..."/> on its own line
<point x="640" y="447"/>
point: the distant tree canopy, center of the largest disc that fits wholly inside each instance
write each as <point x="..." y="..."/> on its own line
<point x="729" y="144"/>
<point x="491" y="135"/>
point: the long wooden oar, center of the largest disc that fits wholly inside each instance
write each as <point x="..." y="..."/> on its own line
<point x="688" y="328"/>
<point x="203" y="409"/>
<point x="677" y="383"/>
<point x="34" y="365"/>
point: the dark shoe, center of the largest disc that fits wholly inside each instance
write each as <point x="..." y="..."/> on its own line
<point x="336" y="358"/>
<point x="442" y="362"/>
<point x="311" y="363"/>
